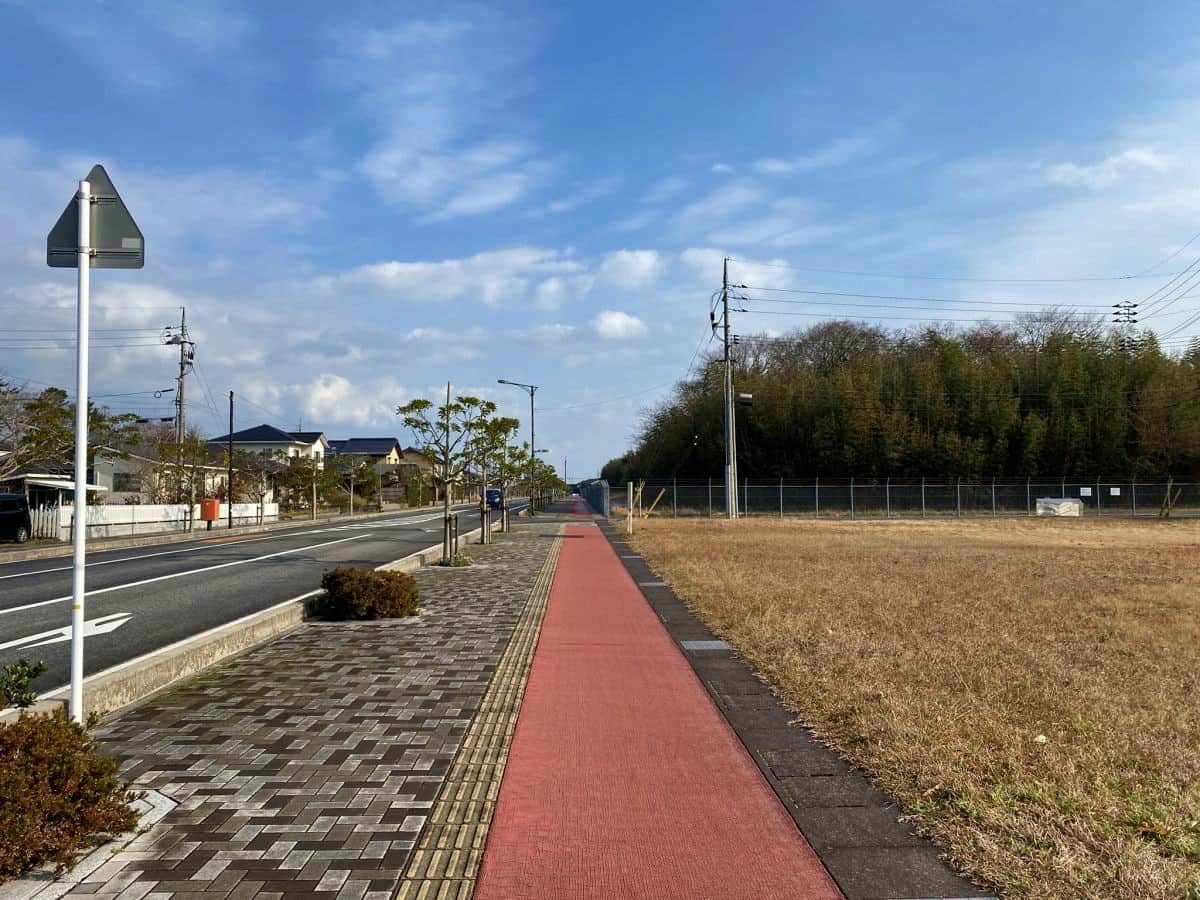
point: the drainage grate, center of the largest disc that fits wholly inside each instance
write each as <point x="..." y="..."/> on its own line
<point x="652" y="584"/>
<point x="704" y="645"/>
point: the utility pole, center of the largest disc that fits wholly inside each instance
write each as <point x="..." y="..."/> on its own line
<point x="184" y="344"/>
<point x="229" y="453"/>
<point x="731" y="497"/>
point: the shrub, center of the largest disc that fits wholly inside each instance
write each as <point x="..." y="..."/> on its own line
<point x="57" y="794"/>
<point x="366" y="594"/>
<point x="15" y="681"/>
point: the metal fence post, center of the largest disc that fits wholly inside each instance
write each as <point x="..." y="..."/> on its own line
<point x="852" y="497"/>
<point x="1097" y="497"/>
<point x="993" y="497"/>
<point x="1133" y="496"/>
<point x="781" y="498"/>
<point x="746" y="496"/>
<point x="922" y="496"/>
<point x="958" y="497"/>
<point x="1063" y="491"/>
<point x="817" y="499"/>
<point x="710" y="498"/>
<point x="674" y="498"/>
<point x="1028" y="497"/>
<point x="887" y="497"/>
<point x="629" y="504"/>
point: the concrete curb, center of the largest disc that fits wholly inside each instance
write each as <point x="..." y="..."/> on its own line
<point x="113" y="689"/>
<point x="178" y="537"/>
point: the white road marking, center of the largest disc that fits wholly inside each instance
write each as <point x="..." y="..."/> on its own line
<point x="102" y="625"/>
<point x="403" y="520"/>
<point x="236" y="562"/>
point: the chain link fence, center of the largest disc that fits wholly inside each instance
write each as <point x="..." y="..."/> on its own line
<point x="595" y="492"/>
<point x="914" y="498"/>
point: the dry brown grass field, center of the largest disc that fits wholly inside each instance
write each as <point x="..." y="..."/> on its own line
<point x="1028" y="690"/>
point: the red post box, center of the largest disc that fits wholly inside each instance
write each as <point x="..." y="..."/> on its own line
<point x="210" y="509"/>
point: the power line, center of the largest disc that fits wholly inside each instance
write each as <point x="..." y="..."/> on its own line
<point x="900" y="277"/>
<point x="1163" y="262"/>
<point x="842" y="304"/>
<point x="944" y="300"/>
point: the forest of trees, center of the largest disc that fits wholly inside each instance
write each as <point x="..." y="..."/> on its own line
<point x="1048" y="394"/>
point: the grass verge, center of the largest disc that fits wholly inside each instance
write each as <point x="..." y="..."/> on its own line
<point x="1028" y="689"/>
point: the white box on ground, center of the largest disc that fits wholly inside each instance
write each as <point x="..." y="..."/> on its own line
<point x="1059" y="506"/>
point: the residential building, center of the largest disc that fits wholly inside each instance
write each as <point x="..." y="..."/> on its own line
<point x="383" y="451"/>
<point x="136" y="474"/>
<point x="275" y="442"/>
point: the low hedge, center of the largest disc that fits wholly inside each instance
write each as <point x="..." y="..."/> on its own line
<point x="58" y="795"/>
<point x="366" y="594"/>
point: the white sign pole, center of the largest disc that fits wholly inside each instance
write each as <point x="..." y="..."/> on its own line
<point x="84" y="198"/>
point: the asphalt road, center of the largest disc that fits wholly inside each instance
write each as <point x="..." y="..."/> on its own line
<point x="145" y="598"/>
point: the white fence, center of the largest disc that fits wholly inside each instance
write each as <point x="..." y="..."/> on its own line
<point x="135" y="519"/>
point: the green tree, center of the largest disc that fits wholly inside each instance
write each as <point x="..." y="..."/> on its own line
<point x="488" y="446"/>
<point x="447" y="435"/>
<point x="39" y="429"/>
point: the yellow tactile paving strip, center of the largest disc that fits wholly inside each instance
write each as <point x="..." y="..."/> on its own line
<point x="445" y="863"/>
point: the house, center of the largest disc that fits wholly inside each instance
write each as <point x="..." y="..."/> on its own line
<point x="275" y="442"/>
<point x="381" y="451"/>
<point x="412" y="461"/>
<point x="137" y="474"/>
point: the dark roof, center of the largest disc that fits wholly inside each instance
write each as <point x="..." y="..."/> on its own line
<point x="259" y="434"/>
<point x="364" y="446"/>
<point x="309" y="437"/>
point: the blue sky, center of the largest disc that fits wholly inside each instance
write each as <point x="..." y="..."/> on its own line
<point x="356" y="202"/>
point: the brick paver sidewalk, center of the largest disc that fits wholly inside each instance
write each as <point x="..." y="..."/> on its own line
<point x="310" y="764"/>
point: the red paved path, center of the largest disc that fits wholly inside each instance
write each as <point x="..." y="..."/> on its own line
<point x="624" y="779"/>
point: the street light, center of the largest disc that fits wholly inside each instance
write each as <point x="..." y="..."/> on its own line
<point x="531" y="389"/>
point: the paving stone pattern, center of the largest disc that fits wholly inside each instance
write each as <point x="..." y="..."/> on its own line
<point x="445" y="864"/>
<point x="310" y="765"/>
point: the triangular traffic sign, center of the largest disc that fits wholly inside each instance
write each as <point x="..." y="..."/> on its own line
<point x="116" y="240"/>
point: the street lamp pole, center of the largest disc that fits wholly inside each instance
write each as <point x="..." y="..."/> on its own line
<point x="531" y="389"/>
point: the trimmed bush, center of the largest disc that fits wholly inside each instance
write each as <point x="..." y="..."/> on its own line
<point x="58" y="795"/>
<point x="366" y="594"/>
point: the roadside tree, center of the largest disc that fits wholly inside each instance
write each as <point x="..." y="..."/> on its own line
<point x="447" y="434"/>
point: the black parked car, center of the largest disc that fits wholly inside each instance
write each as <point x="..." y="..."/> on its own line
<point x="495" y="499"/>
<point x="14" y="518"/>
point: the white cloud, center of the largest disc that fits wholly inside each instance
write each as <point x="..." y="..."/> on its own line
<point x="144" y="46"/>
<point x="435" y="91"/>
<point x="551" y="293"/>
<point x="719" y="168"/>
<point x="1135" y="161"/>
<point x="632" y="269"/>
<point x="615" y="325"/>
<point x="838" y="152"/>
<point x="665" y="189"/>
<point x="331" y="400"/>
<point x="492" y="276"/>
<point x="636" y="222"/>
<point x="719" y="204"/>
<point x="585" y="194"/>
<point x="707" y="262"/>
